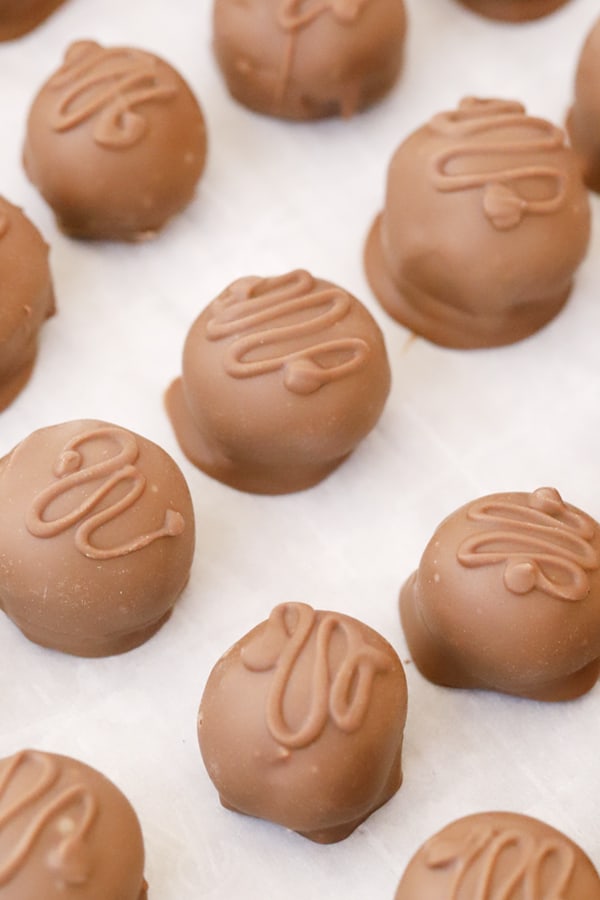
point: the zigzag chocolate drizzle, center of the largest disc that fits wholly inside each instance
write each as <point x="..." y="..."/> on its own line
<point x="342" y="697"/>
<point x="71" y="473"/>
<point x="477" y="857"/>
<point x="108" y="85"/>
<point x="248" y="311"/>
<point x="532" y="538"/>
<point x="502" y="203"/>
<point x="35" y="808"/>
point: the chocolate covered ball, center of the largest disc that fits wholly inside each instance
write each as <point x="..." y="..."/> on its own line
<point x="115" y="142"/>
<point x="499" y="855"/>
<point x="301" y="722"/>
<point x="513" y="10"/>
<point x="485" y="221"/>
<point x="584" y="117"/>
<point x="282" y="377"/>
<point x="17" y="17"/>
<point x="27" y="298"/>
<point x="66" y="832"/>
<point x="507" y="598"/>
<point x="96" y="537"/>
<point x="308" y="60"/>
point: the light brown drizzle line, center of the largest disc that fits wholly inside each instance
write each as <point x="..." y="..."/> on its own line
<point x="109" y="84"/>
<point x="4" y="224"/>
<point x="118" y="468"/>
<point x="64" y="859"/>
<point x="254" y="302"/>
<point x="329" y="696"/>
<point x="502" y="203"/>
<point x="483" y="847"/>
<point x="294" y="15"/>
<point x="531" y="536"/>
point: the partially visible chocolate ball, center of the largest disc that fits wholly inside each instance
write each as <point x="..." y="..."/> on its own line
<point x="17" y="17"/>
<point x="301" y="722"/>
<point x="486" y="219"/>
<point x="308" y="60"/>
<point x="507" y="598"/>
<point x="96" y="537"/>
<point x="26" y="298"/>
<point x="116" y="143"/>
<point x="499" y="854"/>
<point x="584" y="117"/>
<point x="282" y="377"/>
<point x="66" y="832"/>
<point x="514" y="10"/>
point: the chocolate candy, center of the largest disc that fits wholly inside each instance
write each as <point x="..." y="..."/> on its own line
<point x="27" y="298"/>
<point x="307" y="60"/>
<point x="282" y="377"/>
<point x="507" y="598"/>
<point x="115" y="142"/>
<point x="584" y="117"/>
<point x="499" y="854"/>
<point x="485" y="221"/>
<point x="301" y="722"/>
<point x="17" y="17"/>
<point x="96" y="537"/>
<point x="66" y="832"/>
<point x="514" y="10"/>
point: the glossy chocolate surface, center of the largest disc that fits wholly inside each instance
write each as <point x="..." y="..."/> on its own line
<point x="499" y="855"/>
<point x="282" y="377"/>
<point x="486" y="219"/>
<point x="27" y="298"/>
<point x="584" y="117"/>
<point x="17" y="17"/>
<point x="116" y="142"/>
<point x="514" y="10"/>
<point x="301" y="722"/>
<point x="301" y="60"/>
<point x="97" y="537"/>
<point x="66" y="832"/>
<point x="507" y="598"/>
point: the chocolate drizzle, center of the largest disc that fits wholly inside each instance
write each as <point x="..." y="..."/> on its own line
<point x="109" y="85"/>
<point x="503" y="205"/>
<point x="4" y="224"/>
<point x="479" y="855"/>
<point x="247" y="312"/>
<point x="545" y="544"/>
<point x="117" y="469"/>
<point x="36" y="806"/>
<point x="342" y="698"/>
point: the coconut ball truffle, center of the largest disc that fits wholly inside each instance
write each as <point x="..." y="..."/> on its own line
<point x="308" y="60"/>
<point x="584" y="117"/>
<point x="507" y="598"/>
<point x="27" y="298"/>
<point x="513" y="10"/>
<point x="17" y="17"/>
<point x="66" y="832"/>
<point x="116" y="143"/>
<point x="96" y="537"/>
<point x="282" y="377"/>
<point x="301" y="722"/>
<point x="485" y="221"/>
<point x="499" y="854"/>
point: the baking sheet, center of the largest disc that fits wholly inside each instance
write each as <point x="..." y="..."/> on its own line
<point x="458" y="424"/>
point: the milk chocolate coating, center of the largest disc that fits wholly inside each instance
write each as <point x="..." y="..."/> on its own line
<point x="17" y="17"/>
<point x="27" y="298"/>
<point x="584" y="117"/>
<point x="282" y="377"/>
<point x="499" y="854"/>
<point x="507" y="598"/>
<point x="486" y="219"/>
<point x="66" y="832"/>
<point x="96" y="537"/>
<point x="116" y="143"/>
<point x="513" y="10"/>
<point x="301" y="722"/>
<point x="301" y="60"/>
